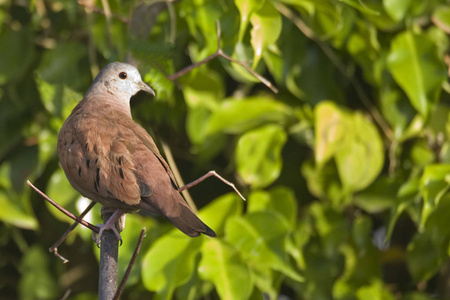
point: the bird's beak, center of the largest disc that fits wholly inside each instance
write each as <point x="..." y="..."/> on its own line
<point x="144" y="87"/>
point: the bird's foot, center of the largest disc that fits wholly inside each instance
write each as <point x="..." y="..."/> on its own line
<point x="110" y="224"/>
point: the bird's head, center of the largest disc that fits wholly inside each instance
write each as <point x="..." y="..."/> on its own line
<point x="120" y="80"/>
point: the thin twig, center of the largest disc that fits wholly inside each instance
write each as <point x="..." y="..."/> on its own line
<point x="101" y="11"/>
<point x="63" y="210"/>
<point x="220" y="53"/>
<point x="130" y="265"/>
<point x="373" y="111"/>
<point x="54" y="248"/>
<point x="209" y="174"/>
<point x="193" y="66"/>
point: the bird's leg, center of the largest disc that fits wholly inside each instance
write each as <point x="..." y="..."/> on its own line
<point x="209" y="174"/>
<point x="117" y="215"/>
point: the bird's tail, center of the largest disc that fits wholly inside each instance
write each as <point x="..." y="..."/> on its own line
<point x="179" y="213"/>
<point x="189" y="223"/>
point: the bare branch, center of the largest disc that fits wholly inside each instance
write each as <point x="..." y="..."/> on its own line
<point x="63" y="210"/>
<point x="220" y="53"/>
<point x="54" y="248"/>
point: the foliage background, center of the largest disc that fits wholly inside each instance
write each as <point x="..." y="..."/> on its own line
<point x="345" y="169"/>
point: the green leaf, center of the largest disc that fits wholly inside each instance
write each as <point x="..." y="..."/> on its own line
<point x="58" y="99"/>
<point x="60" y="190"/>
<point x="260" y="237"/>
<point x="279" y="199"/>
<point x="222" y="265"/>
<point x="258" y="155"/>
<point x="397" y="8"/>
<point x="17" y="59"/>
<point x="434" y="184"/>
<point x="359" y="5"/>
<point x="379" y="196"/>
<point x="361" y="158"/>
<point x="216" y="213"/>
<point x="330" y="131"/>
<point x="37" y="282"/>
<point x="58" y="66"/>
<point x="331" y="227"/>
<point x="414" y="63"/>
<point x="14" y="213"/>
<point x="246" y="8"/>
<point x="169" y="263"/>
<point x="376" y="291"/>
<point x="237" y="116"/>
<point x="323" y="181"/>
<point x="266" y="29"/>
<point x="351" y="139"/>
<point x="423" y="257"/>
<point x="203" y="91"/>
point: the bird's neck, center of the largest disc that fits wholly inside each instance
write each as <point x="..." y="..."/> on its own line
<point x="107" y="102"/>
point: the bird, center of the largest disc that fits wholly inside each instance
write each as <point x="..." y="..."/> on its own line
<point x="110" y="159"/>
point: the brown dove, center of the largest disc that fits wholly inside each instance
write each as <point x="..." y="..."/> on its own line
<point x="110" y="159"/>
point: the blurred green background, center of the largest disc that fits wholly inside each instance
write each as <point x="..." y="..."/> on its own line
<point x="346" y="169"/>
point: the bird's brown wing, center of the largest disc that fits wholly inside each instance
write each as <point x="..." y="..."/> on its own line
<point x="152" y="169"/>
<point x="97" y="162"/>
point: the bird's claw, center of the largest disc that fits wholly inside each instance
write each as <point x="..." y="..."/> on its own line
<point x="97" y="239"/>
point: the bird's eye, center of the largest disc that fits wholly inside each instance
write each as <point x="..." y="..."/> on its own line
<point x="122" y="75"/>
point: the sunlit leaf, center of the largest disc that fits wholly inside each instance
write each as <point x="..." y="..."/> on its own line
<point x="222" y="265"/>
<point x="216" y="213"/>
<point x="359" y="5"/>
<point x="330" y="131"/>
<point x="60" y="190"/>
<point x="169" y="263"/>
<point x="237" y="116"/>
<point x="414" y="63"/>
<point x="203" y="92"/>
<point x="246" y="8"/>
<point x="14" y="213"/>
<point x="364" y="145"/>
<point x="350" y="138"/>
<point x="279" y="199"/>
<point x="397" y="8"/>
<point x="434" y="184"/>
<point x="266" y="29"/>
<point x="258" y="155"/>
<point x="260" y="237"/>
<point x="376" y="291"/>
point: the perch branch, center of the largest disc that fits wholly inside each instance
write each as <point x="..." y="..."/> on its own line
<point x="109" y="254"/>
